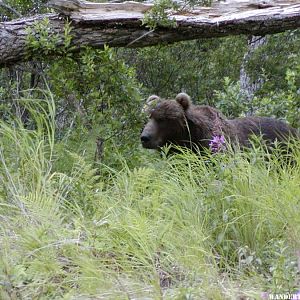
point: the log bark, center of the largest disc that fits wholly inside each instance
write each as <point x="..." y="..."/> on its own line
<point x="120" y="24"/>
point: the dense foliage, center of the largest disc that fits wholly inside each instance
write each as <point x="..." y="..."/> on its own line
<point x="222" y="227"/>
<point x="86" y="213"/>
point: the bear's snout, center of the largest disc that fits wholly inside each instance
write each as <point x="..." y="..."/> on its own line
<point x="149" y="137"/>
<point x="147" y="141"/>
<point x="145" y="138"/>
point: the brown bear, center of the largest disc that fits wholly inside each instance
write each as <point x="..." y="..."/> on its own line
<point x="181" y="123"/>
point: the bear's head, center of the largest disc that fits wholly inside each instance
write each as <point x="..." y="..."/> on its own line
<point x="167" y="123"/>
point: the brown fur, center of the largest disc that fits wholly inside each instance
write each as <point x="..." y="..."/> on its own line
<point x="181" y="123"/>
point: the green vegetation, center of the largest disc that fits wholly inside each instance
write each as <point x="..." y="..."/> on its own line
<point x="220" y="227"/>
<point x="158" y="15"/>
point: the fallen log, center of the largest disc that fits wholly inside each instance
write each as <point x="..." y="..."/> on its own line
<point x="120" y="24"/>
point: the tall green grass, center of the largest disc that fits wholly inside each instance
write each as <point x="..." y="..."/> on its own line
<point x="222" y="226"/>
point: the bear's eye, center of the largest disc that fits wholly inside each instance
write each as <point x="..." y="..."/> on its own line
<point x="161" y="120"/>
<point x="164" y="123"/>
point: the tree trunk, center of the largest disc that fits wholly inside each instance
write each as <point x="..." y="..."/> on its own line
<point x="250" y="87"/>
<point x="120" y="24"/>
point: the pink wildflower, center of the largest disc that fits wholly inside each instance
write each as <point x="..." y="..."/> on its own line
<point x="217" y="143"/>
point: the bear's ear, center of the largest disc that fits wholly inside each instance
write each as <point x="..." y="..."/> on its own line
<point x="184" y="100"/>
<point x="152" y="98"/>
<point x="151" y="102"/>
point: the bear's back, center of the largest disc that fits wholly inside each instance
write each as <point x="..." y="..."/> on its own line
<point x="269" y="128"/>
